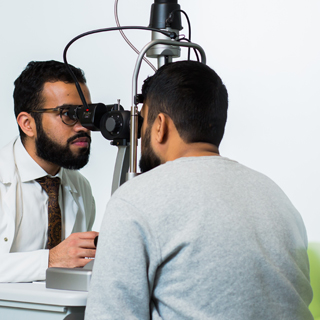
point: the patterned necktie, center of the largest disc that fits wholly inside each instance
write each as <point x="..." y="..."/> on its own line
<point x="51" y="187"/>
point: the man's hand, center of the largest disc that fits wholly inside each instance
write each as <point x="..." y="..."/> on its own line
<point x="71" y="252"/>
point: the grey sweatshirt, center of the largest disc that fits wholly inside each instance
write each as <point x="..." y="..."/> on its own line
<point x="201" y="238"/>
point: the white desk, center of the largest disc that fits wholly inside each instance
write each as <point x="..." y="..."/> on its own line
<point x="35" y="302"/>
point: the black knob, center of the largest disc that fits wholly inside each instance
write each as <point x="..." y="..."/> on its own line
<point x="111" y="124"/>
<point x="95" y="241"/>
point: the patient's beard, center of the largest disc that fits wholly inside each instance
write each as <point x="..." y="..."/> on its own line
<point x="149" y="159"/>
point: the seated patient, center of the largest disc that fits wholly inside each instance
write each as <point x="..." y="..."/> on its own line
<point x="199" y="236"/>
<point x="46" y="207"/>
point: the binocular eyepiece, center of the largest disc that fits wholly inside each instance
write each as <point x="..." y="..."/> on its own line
<point x="112" y="120"/>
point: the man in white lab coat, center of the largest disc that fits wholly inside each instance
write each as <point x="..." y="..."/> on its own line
<point x="50" y="145"/>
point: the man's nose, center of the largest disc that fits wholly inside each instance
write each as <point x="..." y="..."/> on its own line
<point x="78" y="127"/>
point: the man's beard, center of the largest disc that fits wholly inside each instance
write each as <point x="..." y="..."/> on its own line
<point x="149" y="159"/>
<point x="51" y="151"/>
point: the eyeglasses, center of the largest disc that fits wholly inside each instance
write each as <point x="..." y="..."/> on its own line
<point x="63" y="114"/>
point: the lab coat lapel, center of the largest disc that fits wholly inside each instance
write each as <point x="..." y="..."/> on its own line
<point x="13" y="211"/>
<point x="71" y="211"/>
<point x="12" y="198"/>
<point x="74" y="211"/>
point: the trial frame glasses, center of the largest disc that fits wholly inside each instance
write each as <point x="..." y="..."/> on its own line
<point x="63" y="114"/>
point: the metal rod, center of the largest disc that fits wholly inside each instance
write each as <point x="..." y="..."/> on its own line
<point x="153" y="43"/>
<point x="134" y="108"/>
<point x="133" y="139"/>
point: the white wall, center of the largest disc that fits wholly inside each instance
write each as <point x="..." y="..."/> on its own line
<point x="266" y="52"/>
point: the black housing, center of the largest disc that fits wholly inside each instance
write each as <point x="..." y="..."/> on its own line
<point x="113" y="123"/>
<point x="160" y="11"/>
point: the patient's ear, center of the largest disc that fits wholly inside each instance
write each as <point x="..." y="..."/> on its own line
<point x="27" y="124"/>
<point x="161" y="127"/>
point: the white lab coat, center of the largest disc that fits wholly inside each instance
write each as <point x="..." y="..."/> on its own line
<point x="28" y="266"/>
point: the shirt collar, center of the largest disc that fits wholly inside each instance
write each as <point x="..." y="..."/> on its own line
<point x="28" y="169"/>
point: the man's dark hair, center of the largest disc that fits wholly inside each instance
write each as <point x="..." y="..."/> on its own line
<point x="29" y="85"/>
<point x="193" y="96"/>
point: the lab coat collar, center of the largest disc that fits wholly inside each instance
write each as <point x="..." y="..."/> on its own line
<point x="28" y="169"/>
<point x="7" y="172"/>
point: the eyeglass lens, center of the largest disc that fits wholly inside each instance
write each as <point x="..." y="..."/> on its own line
<point x="66" y="119"/>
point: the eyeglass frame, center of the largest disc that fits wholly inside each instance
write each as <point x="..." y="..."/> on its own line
<point x="59" y="109"/>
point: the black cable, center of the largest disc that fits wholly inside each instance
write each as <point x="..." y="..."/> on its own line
<point x="194" y="49"/>
<point x="170" y="19"/>
<point x="171" y="35"/>
<point x="126" y="38"/>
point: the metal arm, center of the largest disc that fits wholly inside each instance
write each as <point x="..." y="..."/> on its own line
<point x="121" y="167"/>
<point x="134" y="108"/>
